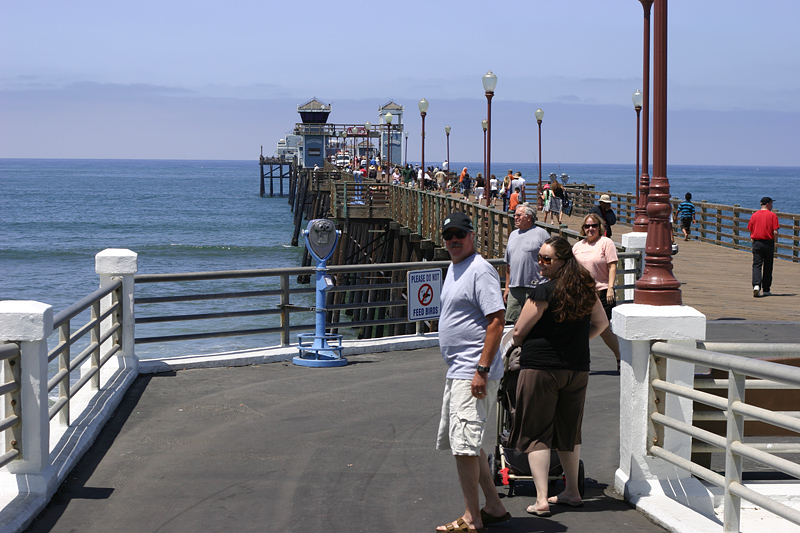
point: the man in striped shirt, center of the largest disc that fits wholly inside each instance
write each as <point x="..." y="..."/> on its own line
<point x="686" y="214"/>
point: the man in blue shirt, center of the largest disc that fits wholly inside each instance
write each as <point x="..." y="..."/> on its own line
<point x="686" y="214"/>
<point x="470" y="329"/>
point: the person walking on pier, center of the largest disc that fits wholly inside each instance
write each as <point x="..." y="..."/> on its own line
<point x="554" y="330"/>
<point x="763" y="228"/>
<point x="598" y="255"/>
<point x="519" y="183"/>
<point x="686" y="215"/>
<point x="523" y="268"/>
<point x="470" y="330"/>
<point x="603" y="208"/>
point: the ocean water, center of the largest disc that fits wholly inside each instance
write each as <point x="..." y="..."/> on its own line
<point x="179" y="216"/>
<point x="188" y="216"/>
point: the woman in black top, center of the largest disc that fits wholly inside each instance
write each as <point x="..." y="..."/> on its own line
<point x="554" y="329"/>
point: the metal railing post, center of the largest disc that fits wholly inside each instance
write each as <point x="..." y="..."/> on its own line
<point x="733" y="462"/>
<point x="285" y="310"/>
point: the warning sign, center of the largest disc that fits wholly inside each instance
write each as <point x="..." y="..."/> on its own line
<point x="424" y="290"/>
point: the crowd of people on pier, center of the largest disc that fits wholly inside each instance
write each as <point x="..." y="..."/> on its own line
<point x="557" y="297"/>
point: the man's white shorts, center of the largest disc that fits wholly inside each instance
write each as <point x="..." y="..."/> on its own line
<point x="463" y="423"/>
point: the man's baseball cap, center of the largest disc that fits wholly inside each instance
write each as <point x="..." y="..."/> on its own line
<point x="457" y="220"/>
<point x="766" y="200"/>
<point x="606" y="199"/>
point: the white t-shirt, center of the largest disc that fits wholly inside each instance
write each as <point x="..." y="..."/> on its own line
<point x="518" y="182"/>
<point x="470" y="292"/>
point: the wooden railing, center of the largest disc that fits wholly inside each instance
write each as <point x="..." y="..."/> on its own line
<point x="719" y="224"/>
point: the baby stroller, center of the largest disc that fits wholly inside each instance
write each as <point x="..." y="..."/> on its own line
<point x="507" y="464"/>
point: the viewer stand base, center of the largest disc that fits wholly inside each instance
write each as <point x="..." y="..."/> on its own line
<point x="316" y="352"/>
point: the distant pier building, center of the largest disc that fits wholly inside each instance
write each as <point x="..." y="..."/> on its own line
<point x="313" y="141"/>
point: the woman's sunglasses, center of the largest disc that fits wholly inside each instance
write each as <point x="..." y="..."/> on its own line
<point x="545" y="260"/>
<point x="587" y="226"/>
<point x="458" y="234"/>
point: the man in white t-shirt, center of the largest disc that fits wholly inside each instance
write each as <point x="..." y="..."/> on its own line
<point x="519" y="181"/>
<point x="470" y="329"/>
<point x="521" y="255"/>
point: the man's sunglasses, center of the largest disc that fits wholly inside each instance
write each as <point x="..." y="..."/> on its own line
<point x="587" y="226"/>
<point x="458" y="234"/>
<point x="545" y="260"/>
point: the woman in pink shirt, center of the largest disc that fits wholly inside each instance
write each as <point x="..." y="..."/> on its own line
<point x="598" y="254"/>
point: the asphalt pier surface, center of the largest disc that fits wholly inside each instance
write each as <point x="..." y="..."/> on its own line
<point x="284" y="448"/>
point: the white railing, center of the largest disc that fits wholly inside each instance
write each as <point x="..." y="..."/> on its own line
<point x="9" y="398"/>
<point x="770" y="375"/>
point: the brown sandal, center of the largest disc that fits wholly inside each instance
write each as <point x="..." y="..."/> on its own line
<point x="462" y="526"/>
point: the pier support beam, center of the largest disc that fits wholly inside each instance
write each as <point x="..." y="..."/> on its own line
<point x="640" y="476"/>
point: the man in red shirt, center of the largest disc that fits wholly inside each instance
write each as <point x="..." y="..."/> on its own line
<point x="763" y="228"/>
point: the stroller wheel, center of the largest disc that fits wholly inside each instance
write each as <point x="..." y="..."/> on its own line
<point x="581" y="479"/>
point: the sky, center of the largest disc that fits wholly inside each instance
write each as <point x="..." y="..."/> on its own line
<point x="174" y="79"/>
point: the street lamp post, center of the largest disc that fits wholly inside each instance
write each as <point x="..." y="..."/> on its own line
<point x="389" y="140"/>
<point x="637" y="105"/>
<point x="423" y="110"/>
<point x="539" y="116"/>
<point x="484" y="126"/>
<point x="447" y="133"/>
<point x="489" y="83"/>
<point x="406" y="157"/>
<point x="367" y="126"/>
<point x="641" y="220"/>
<point x="658" y="285"/>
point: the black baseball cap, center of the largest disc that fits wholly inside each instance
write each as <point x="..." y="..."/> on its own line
<point x="766" y="200"/>
<point x="457" y="220"/>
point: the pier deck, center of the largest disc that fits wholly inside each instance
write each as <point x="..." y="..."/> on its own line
<point x="284" y="448"/>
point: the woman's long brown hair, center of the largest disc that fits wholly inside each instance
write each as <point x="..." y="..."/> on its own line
<point x="574" y="294"/>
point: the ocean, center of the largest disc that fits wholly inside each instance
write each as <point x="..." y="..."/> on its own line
<point x="187" y="216"/>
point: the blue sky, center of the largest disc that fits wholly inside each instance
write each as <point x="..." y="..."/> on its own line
<point x="210" y="80"/>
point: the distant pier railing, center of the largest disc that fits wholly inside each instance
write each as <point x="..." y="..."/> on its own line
<point x="719" y="224"/>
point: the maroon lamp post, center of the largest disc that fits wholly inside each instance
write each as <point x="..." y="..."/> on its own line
<point x="637" y="105"/>
<point x="640" y="222"/>
<point x="447" y="133"/>
<point x="423" y="110"/>
<point x="539" y="202"/>
<point x="484" y="126"/>
<point x="489" y="83"/>
<point x="389" y="118"/>
<point x="658" y="286"/>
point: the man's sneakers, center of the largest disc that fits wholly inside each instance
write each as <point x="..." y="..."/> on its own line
<point x="766" y="293"/>
<point x="756" y="290"/>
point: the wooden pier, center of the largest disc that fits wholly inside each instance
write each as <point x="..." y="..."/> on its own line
<point x="384" y="223"/>
<point x="277" y="169"/>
